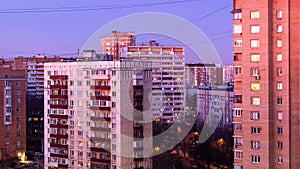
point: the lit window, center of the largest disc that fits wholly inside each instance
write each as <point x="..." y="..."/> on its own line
<point x="280" y="160"/>
<point x="279" y="85"/>
<point x="254" y="43"/>
<point x="255" y="159"/>
<point x="254" y="29"/>
<point x="279" y="57"/>
<point x="279" y="115"/>
<point x="238" y="154"/>
<point x="255" y="86"/>
<point x="237" y="28"/>
<point x="255" y="57"/>
<point x="255" y="145"/>
<point x="255" y="130"/>
<point x="255" y="115"/>
<point x="255" y="101"/>
<point x="279" y="43"/>
<point x="254" y="14"/>
<point x="279" y="14"/>
<point x="237" y="42"/>
<point x="279" y="28"/>
<point x="279" y="145"/>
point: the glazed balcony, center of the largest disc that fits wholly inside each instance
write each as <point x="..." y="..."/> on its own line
<point x="97" y="160"/>
<point x="106" y="98"/>
<point x="101" y="150"/>
<point x="60" y="77"/>
<point x="58" y="86"/>
<point x="65" y="146"/>
<point x="94" y="118"/>
<point x="106" y="108"/>
<point x="58" y="106"/>
<point x="100" y="87"/>
<point x="58" y="116"/>
<point x="100" y="139"/>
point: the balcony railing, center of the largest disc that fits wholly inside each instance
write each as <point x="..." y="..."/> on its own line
<point x="59" y="135"/>
<point x="58" y="86"/>
<point x="101" y="150"/>
<point x="59" y="155"/>
<point x="107" y="98"/>
<point x="59" y="145"/>
<point x="62" y="126"/>
<point x="94" y="118"/>
<point x="100" y="108"/>
<point x="97" y="160"/>
<point x="61" y="77"/>
<point x="100" y="87"/>
<point x="59" y="116"/>
<point x="58" y="106"/>
<point x="100" y="129"/>
<point x="62" y="166"/>
<point x="100" y="139"/>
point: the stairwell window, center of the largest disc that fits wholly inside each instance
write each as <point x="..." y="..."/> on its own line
<point x="254" y="14"/>
<point x="279" y="28"/>
<point x="254" y="43"/>
<point x="279" y="43"/>
<point x="254" y="29"/>
<point x="279" y="14"/>
<point x="255" y="100"/>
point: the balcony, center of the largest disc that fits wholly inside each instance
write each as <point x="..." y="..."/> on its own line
<point x="99" y="87"/>
<point x="101" y="150"/>
<point x="138" y="159"/>
<point x="107" y="98"/>
<point x="94" y="118"/>
<point x="58" y="116"/>
<point x="106" y="108"/>
<point x="100" y="76"/>
<point x="59" y="135"/>
<point x="100" y="139"/>
<point x="59" y="155"/>
<point x="61" y="126"/>
<point x="52" y="96"/>
<point x="61" y="77"/>
<point x="63" y="166"/>
<point x="100" y="129"/>
<point x="97" y="160"/>
<point x="58" y="86"/>
<point x="65" y="146"/>
<point x="58" y="106"/>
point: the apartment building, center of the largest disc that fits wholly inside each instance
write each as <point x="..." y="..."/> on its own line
<point x="168" y="77"/>
<point x="95" y="114"/>
<point x="266" y="85"/>
<point x="13" y="105"/>
<point x="112" y="45"/>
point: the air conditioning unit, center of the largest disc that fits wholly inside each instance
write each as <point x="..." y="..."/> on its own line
<point x="257" y="77"/>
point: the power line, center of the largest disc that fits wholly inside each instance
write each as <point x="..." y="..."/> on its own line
<point x="95" y="8"/>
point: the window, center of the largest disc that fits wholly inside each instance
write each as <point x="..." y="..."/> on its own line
<point x="18" y="83"/>
<point x="238" y="126"/>
<point x="279" y="57"/>
<point x="238" y="70"/>
<point x="255" y="159"/>
<point x="7" y="144"/>
<point x="255" y="86"/>
<point x="255" y="115"/>
<point x="113" y="125"/>
<point x="255" y="100"/>
<point x="18" y="101"/>
<point x="279" y="130"/>
<point x="279" y="85"/>
<point x="18" y="126"/>
<point x="255" y="130"/>
<point x="6" y="127"/>
<point x="279" y="145"/>
<point x="18" y="118"/>
<point x="238" y="154"/>
<point x="279" y="71"/>
<point x="72" y="132"/>
<point x="7" y="135"/>
<point x="279" y="100"/>
<point x="113" y="104"/>
<point x="279" y="14"/>
<point x="254" y="43"/>
<point x="279" y="28"/>
<point x="88" y="83"/>
<point x="113" y="136"/>
<point x="279" y="115"/>
<point x="237" y="99"/>
<point x="254" y="14"/>
<point x="279" y="43"/>
<point x="237" y="42"/>
<point x="255" y="57"/>
<point x="114" y="83"/>
<point x="238" y="141"/>
<point x="71" y="82"/>
<point x="254" y="29"/>
<point x="254" y="71"/>
<point x="255" y="145"/>
<point x="113" y="147"/>
<point x="79" y="83"/>
<point x="114" y="94"/>
<point x="18" y="92"/>
<point x="18" y="134"/>
<point x="237" y="15"/>
<point x="113" y="115"/>
<point x="280" y="160"/>
<point x="237" y="112"/>
<point x="237" y="28"/>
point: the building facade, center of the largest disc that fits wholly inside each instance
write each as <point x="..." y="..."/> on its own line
<point x="168" y="77"/>
<point x="266" y="86"/>
<point x="13" y="114"/>
<point x="95" y="115"/>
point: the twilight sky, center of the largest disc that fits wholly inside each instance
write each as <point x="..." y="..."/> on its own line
<point x="62" y="33"/>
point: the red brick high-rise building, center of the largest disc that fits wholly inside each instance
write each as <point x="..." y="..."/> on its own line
<point x="266" y="36"/>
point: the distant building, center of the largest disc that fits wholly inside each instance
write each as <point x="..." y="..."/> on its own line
<point x="90" y="112"/>
<point x="168" y="96"/>
<point x="214" y="103"/>
<point x="13" y="115"/>
<point x="112" y="45"/>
